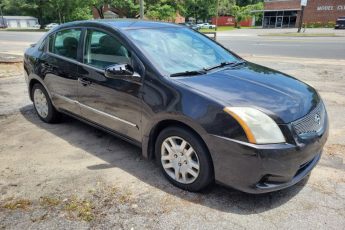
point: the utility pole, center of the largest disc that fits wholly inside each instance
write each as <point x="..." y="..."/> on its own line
<point x="2" y="17"/>
<point x="141" y="9"/>
<point x="300" y="20"/>
<point x="217" y="15"/>
<point x="300" y="23"/>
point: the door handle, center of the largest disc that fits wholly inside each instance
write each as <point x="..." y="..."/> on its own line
<point x="84" y="82"/>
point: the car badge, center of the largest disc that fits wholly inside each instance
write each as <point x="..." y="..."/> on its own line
<point x="317" y="119"/>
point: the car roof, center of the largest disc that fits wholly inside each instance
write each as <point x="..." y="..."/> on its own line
<point x="122" y="24"/>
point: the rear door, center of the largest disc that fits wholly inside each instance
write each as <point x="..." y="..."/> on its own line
<point x="112" y="103"/>
<point x="60" y="67"/>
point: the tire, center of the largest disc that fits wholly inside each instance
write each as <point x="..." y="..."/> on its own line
<point x="185" y="160"/>
<point x="43" y="105"/>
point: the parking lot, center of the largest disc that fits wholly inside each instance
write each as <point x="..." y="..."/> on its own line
<point x="70" y="175"/>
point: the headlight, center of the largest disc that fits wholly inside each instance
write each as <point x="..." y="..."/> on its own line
<point x="259" y="128"/>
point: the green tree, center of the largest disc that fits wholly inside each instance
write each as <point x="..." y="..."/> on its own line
<point x="164" y="9"/>
<point x="128" y="8"/>
<point x="242" y="13"/>
<point x="200" y="9"/>
<point x="25" y="7"/>
<point x="161" y="12"/>
<point x="247" y="2"/>
<point x="225" y="7"/>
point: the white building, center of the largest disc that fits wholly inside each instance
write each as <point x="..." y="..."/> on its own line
<point x="19" y="22"/>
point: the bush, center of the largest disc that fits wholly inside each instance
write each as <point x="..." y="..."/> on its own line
<point x="329" y="24"/>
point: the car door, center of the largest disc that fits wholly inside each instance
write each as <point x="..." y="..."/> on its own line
<point x="60" y="68"/>
<point x="113" y="103"/>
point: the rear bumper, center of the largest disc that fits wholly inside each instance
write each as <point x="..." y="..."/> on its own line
<point x="264" y="168"/>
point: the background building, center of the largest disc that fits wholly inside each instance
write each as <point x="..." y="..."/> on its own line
<point x="230" y="21"/>
<point x="22" y="22"/>
<point x="286" y="13"/>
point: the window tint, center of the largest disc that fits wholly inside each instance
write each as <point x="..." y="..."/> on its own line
<point x="65" y="43"/>
<point x="102" y="50"/>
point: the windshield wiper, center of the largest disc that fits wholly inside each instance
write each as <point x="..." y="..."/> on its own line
<point x="204" y="70"/>
<point x="188" y="73"/>
<point x="222" y="64"/>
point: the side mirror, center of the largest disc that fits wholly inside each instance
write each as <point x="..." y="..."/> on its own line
<point x="119" y="70"/>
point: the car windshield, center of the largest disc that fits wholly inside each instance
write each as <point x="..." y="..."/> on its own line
<point x="176" y="50"/>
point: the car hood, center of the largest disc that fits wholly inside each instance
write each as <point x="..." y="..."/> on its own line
<point x="282" y="97"/>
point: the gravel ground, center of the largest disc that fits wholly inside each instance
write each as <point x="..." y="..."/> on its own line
<point x="70" y="175"/>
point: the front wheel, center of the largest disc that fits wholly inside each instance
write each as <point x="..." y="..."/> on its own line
<point x="184" y="159"/>
<point x="43" y="105"/>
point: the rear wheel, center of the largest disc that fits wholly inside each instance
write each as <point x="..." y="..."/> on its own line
<point x="43" y="105"/>
<point x="184" y="159"/>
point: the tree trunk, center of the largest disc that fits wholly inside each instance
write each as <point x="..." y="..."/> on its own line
<point x="60" y="20"/>
<point x="40" y="13"/>
<point x="100" y="11"/>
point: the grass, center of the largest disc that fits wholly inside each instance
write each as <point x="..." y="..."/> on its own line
<point x="49" y="201"/>
<point x="220" y="28"/>
<point x="83" y="208"/>
<point x="125" y="197"/>
<point x="225" y="28"/>
<point x="300" y="34"/>
<point x="74" y="207"/>
<point x="17" y="204"/>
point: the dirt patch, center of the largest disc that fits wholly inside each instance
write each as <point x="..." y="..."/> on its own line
<point x="11" y="69"/>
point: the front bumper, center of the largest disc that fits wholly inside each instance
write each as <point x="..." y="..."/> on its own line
<point x="264" y="168"/>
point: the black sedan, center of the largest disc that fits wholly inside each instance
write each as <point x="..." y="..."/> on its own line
<point x="205" y="114"/>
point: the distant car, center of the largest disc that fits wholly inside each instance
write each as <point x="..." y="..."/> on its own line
<point x="3" y="26"/>
<point x="186" y="24"/>
<point x="195" y="27"/>
<point x="190" y="25"/>
<point x="206" y="26"/>
<point x="51" y="26"/>
<point x="340" y="23"/>
<point x="37" y="26"/>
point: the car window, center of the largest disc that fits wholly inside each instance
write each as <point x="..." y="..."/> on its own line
<point x="176" y="50"/>
<point x="103" y="50"/>
<point x="65" y="43"/>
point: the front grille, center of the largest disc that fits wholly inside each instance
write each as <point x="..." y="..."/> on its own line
<point x="312" y="122"/>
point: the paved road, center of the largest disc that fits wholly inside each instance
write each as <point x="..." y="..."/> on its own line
<point x="301" y="47"/>
<point x="243" y="42"/>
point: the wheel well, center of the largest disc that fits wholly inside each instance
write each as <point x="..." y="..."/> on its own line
<point x="31" y="84"/>
<point x="163" y="125"/>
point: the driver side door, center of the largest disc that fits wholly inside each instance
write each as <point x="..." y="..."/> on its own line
<point x="113" y="103"/>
